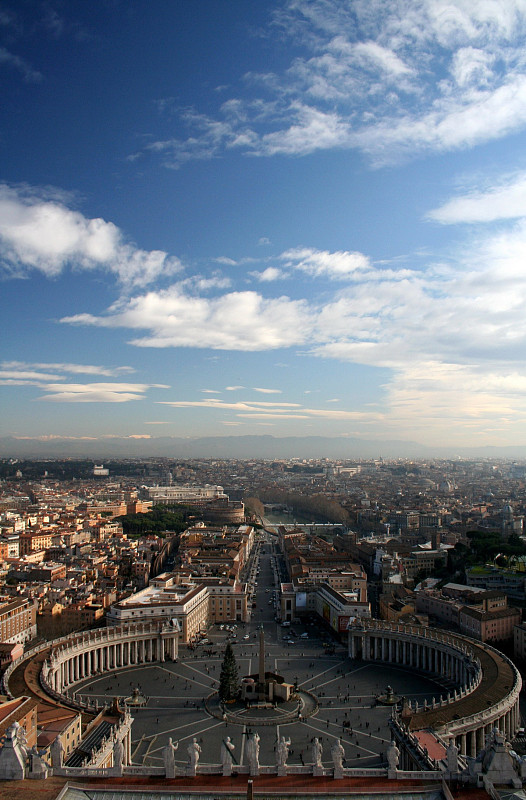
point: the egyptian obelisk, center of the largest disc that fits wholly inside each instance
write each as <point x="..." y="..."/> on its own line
<point x="261" y="673"/>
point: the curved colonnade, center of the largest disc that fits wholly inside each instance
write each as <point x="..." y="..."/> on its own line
<point x="482" y="685"/>
<point x="79" y="656"/>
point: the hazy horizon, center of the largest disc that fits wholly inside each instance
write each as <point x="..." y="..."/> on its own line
<point x="248" y="447"/>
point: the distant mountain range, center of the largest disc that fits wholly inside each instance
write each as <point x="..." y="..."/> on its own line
<point x="244" y="447"/>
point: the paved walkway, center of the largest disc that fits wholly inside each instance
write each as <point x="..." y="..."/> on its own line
<point x="345" y="689"/>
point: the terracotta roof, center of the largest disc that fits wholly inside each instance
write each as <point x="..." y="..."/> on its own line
<point x="216" y="785"/>
<point x="428" y="740"/>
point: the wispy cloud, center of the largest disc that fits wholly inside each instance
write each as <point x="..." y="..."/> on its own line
<point x="454" y="314"/>
<point x="56" y="387"/>
<point x="270" y="415"/>
<point x="49" y="437"/>
<point x="251" y="409"/>
<point x="18" y="367"/>
<point x="39" y="233"/>
<point x="322" y="263"/>
<point x="29" y="74"/>
<point x="241" y="405"/>
<point x="96" y="392"/>
<point x="390" y="79"/>
<point x="507" y="200"/>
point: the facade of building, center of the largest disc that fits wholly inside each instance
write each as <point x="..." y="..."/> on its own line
<point x="18" y="621"/>
<point x="192" y="606"/>
<point x="519" y="641"/>
<point x="184" y="494"/>
<point x="489" y="625"/>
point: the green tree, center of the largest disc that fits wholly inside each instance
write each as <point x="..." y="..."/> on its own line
<point x="160" y="519"/>
<point x="228" y="679"/>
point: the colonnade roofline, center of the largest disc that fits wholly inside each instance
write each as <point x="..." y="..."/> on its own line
<point x="487" y="683"/>
<point x="75" y="657"/>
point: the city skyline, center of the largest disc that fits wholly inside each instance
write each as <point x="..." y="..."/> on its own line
<point x="294" y="218"/>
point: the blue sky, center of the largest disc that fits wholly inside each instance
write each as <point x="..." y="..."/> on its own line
<point x="300" y="217"/>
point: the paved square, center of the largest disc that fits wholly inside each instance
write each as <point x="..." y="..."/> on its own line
<point x="345" y="691"/>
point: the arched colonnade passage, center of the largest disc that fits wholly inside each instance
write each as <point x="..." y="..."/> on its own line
<point x="481" y="685"/>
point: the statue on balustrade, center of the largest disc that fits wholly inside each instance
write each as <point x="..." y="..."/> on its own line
<point x="317" y="752"/>
<point x="194" y="751"/>
<point x="282" y="752"/>
<point x="169" y="758"/>
<point x="338" y="755"/>
<point x="253" y="753"/>
<point x="393" y="756"/>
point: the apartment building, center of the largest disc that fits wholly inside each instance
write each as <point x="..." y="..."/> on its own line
<point x="18" y="620"/>
<point x="32" y="541"/>
<point x="494" y="625"/>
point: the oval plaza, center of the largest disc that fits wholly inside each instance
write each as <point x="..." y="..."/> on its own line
<point x="480" y="694"/>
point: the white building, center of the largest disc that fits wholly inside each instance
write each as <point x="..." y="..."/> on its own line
<point x="182" y="494"/>
<point x="190" y="605"/>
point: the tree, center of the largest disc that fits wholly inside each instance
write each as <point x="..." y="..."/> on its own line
<point x="228" y="679"/>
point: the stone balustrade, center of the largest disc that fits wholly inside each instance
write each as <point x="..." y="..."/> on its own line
<point x="485" y="683"/>
<point x="79" y="656"/>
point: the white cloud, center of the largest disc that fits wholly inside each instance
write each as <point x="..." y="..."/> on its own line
<point x="244" y="405"/>
<point x="229" y="262"/>
<point x="472" y="66"/>
<point x="456" y="123"/>
<point x="321" y="263"/>
<point x="251" y="409"/>
<point x="341" y="414"/>
<point x="506" y="201"/>
<point x="57" y="389"/>
<point x="455" y="314"/>
<point x="382" y="57"/>
<point x="96" y="392"/>
<point x="27" y="375"/>
<point x="266" y="391"/>
<point x="213" y="282"/>
<point x="311" y="129"/>
<point x="269" y="274"/>
<point x="383" y="318"/>
<point x="253" y="415"/>
<point x="390" y="79"/>
<point x="43" y="234"/>
<point x="84" y="369"/>
<point x="235" y="321"/>
<point x="441" y="401"/>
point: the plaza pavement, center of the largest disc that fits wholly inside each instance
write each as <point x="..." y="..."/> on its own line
<point x="345" y="690"/>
